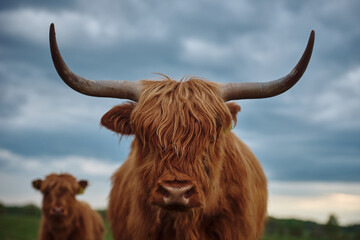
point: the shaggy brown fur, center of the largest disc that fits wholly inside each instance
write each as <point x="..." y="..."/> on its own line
<point x="183" y="132"/>
<point x="64" y="217"/>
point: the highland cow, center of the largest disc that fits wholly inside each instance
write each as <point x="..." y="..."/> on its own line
<point x="187" y="176"/>
<point x="64" y="217"/>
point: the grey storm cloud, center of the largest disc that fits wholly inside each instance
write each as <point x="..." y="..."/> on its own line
<point x="309" y="133"/>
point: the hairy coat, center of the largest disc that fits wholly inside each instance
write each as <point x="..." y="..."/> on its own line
<point x="64" y="217"/>
<point x="183" y="134"/>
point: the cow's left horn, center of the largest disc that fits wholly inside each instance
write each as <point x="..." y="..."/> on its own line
<point x="115" y="89"/>
<point x="250" y="90"/>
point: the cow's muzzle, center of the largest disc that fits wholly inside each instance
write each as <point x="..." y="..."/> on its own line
<point x="176" y="195"/>
<point x="57" y="211"/>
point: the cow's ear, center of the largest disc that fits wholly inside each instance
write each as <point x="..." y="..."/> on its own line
<point x="82" y="185"/>
<point x="234" y="109"/>
<point x="37" y="184"/>
<point x="118" y="119"/>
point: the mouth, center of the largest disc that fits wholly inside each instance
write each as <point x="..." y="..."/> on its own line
<point x="176" y="208"/>
<point x="57" y="216"/>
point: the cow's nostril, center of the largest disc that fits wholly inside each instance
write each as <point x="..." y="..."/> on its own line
<point x="163" y="192"/>
<point x="189" y="193"/>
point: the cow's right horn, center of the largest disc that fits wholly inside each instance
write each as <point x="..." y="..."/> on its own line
<point x="250" y="90"/>
<point x="114" y="89"/>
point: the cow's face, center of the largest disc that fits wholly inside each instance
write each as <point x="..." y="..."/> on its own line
<point x="59" y="193"/>
<point x="179" y="130"/>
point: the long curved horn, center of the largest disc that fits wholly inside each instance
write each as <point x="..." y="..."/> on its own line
<point x="251" y="90"/>
<point x="114" y="89"/>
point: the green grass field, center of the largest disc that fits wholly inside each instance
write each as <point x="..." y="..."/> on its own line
<point x="23" y="224"/>
<point x="14" y="227"/>
<point x="22" y="227"/>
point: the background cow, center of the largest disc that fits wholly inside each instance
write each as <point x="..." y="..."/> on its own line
<point x="187" y="176"/>
<point x="64" y="217"/>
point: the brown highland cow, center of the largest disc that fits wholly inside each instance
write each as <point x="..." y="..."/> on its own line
<point x="188" y="177"/>
<point x="64" y="217"/>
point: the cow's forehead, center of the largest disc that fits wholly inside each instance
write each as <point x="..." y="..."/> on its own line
<point x="181" y="116"/>
<point x="191" y="98"/>
<point x="55" y="181"/>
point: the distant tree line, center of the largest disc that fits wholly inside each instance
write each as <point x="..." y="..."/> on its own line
<point x="277" y="229"/>
<point x="28" y="210"/>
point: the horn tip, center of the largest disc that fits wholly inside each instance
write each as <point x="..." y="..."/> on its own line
<point x="312" y="34"/>
<point x="52" y="27"/>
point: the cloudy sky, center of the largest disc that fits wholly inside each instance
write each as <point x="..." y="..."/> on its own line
<point x="308" y="139"/>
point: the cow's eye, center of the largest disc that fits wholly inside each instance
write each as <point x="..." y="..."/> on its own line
<point x="206" y="166"/>
<point x="207" y="170"/>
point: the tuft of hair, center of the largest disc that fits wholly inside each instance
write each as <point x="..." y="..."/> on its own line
<point x="172" y="114"/>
